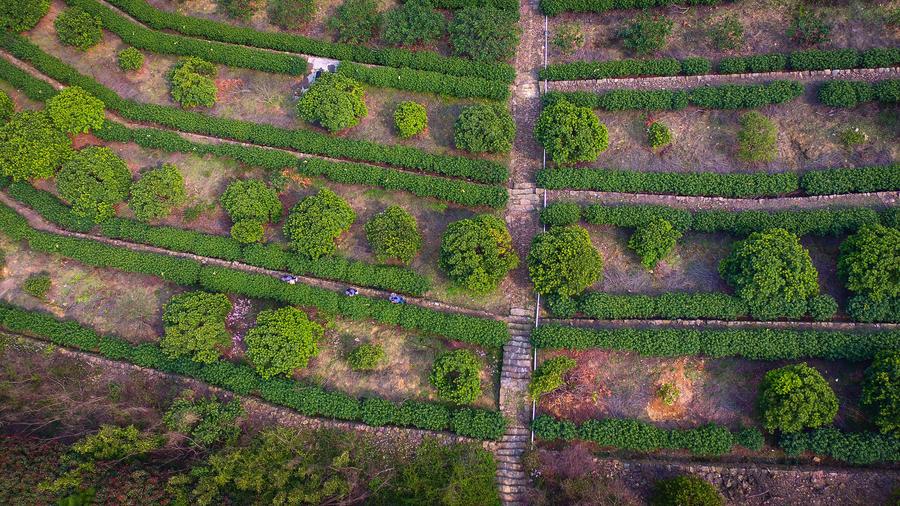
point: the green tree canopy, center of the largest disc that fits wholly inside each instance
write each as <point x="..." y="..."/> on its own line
<point x="79" y="28"/>
<point x="562" y="261"/>
<point x="157" y="192"/>
<point x="881" y="391"/>
<point x="94" y="180"/>
<point x="870" y="261"/>
<point x="76" y="111"/>
<point x="251" y="199"/>
<point x="653" y="242"/>
<point x="316" y="221"/>
<point x="18" y="16"/>
<point x="31" y="147"/>
<point x="571" y="134"/>
<point x="485" y="128"/>
<point x="282" y="340"/>
<point x="477" y="253"/>
<point x="795" y="397"/>
<point x="484" y="33"/>
<point x="394" y="233"/>
<point x="194" y="324"/>
<point x="456" y="376"/>
<point x="191" y="82"/>
<point x="413" y="22"/>
<point x="334" y="102"/>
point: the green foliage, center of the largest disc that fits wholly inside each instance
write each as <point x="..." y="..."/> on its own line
<point x="858" y="448"/>
<point x="291" y="14"/>
<point x="21" y="16"/>
<point x="795" y="397"/>
<point x="94" y="180"/>
<point x="194" y="324"/>
<point x="282" y="341"/>
<point x="37" y="285"/>
<point x="191" y="82"/>
<point x="366" y="357"/>
<point x="757" y="139"/>
<point x="484" y="128"/>
<point x="456" y="376"/>
<point x="618" y="68"/>
<point x="247" y="231"/>
<point x="870" y="262"/>
<point x="425" y="82"/>
<point x="157" y="192"/>
<point x="658" y="135"/>
<point x="240" y="10"/>
<point x="561" y="214"/>
<point x="205" y="421"/>
<point x="7" y="107"/>
<point x="413" y="23"/>
<point x="851" y="180"/>
<point x="808" y="28"/>
<point x="410" y="118"/>
<point x="685" y="490"/>
<point x="549" y="375"/>
<point x="334" y="102"/>
<point x="854" y="136"/>
<point x="394" y="234"/>
<point x="131" y="59"/>
<point x="646" y="34"/>
<point x="751" y="439"/>
<point x="845" y="93"/>
<point x="669" y="306"/>
<point x="668" y="394"/>
<point x="822" y="308"/>
<point x="484" y="33"/>
<point x="355" y="21"/>
<point x="477" y="253"/>
<point x="75" y="111"/>
<point x="568" y="37"/>
<point x="31" y="147"/>
<point x="727" y="33"/>
<point x="881" y="391"/>
<point x="251" y="199"/>
<point x="555" y="7"/>
<point x="653" y="242"/>
<point x="570" y="134"/>
<point x="316" y="221"/>
<point x="78" y="28"/>
<point x="863" y="308"/>
<point x="563" y="261"/>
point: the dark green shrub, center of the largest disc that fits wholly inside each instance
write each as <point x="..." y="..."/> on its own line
<point x="685" y="491"/>
<point x="822" y="308"/>
<point x="425" y="82"/>
<point x="130" y="59"/>
<point x="881" y="391"/>
<point x="751" y="439"/>
<point x="561" y="306"/>
<point x="37" y="285"/>
<point x="653" y="242"/>
<point x="334" y="102"/>
<point x="561" y="214"/>
<point x="247" y="231"/>
<point x="484" y="128"/>
<point x="483" y="33"/>
<point x="571" y="134"/>
<point x="21" y="16"/>
<point x="31" y="147"/>
<point x="413" y="23"/>
<point x="858" y="448"/>
<point x="394" y="234"/>
<point x="808" y="28"/>
<point x="870" y="262"/>
<point x="78" y="28"/>
<point x="563" y="261"/>
<point x="291" y="14"/>
<point x="757" y="139"/>
<point x="75" y="111"/>
<point x="636" y="216"/>
<point x="863" y="308"/>
<point x="157" y="192"/>
<point x="366" y="357"/>
<point x="411" y="119"/>
<point x="194" y="324"/>
<point x="94" y="180"/>
<point x="695" y="66"/>
<point x="568" y="37"/>
<point x="316" y="221"/>
<point x="755" y="63"/>
<point x="205" y="421"/>
<point x="251" y="199"/>
<point x="477" y="253"/>
<point x="282" y="341"/>
<point x="851" y="180"/>
<point x="240" y="10"/>
<point x="845" y="93"/>
<point x="795" y="397"/>
<point x="658" y="135"/>
<point x="727" y="33"/>
<point x="355" y="21"/>
<point x="7" y="107"/>
<point x="456" y="377"/>
<point x="191" y="82"/>
<point x="646" y="34"/>
<point x="549" y="375"/>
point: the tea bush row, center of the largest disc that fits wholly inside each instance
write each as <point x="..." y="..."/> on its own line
<point x="858" y="448"/>
<point x="853" y="93"/>
<point x="554" y="7"/>
<point x="426" y="81"/>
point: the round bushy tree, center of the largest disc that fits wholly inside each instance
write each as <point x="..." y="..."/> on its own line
<point x="394" y="233"/>
<point x="414" y="22"/>
<point x="571" y="134"/>
<point x="757" y="138"/>
<point x="685" y="491"/>
<point x="562" y="261"/>
<point x="795" y="397"/>
<point x="94" y="180"/>
<point x="477" y="253"/>
<point x="31" y="147"/>
<point x="191" y="82"/>
<point x="881" y="391"/>
<point x="18" y="16"/>
<point x="653" y="242"/>
<point x="658" y="135"/>
<point x="772" y="272"/>
<point x="316" y="221"/>
<point x="194" y="324"/>
<point x="291" y="14"/>
<point x="366" y="357"/>
<point x="870" y="261"/>
<point x="282" y="340"/>
<point x="7" y="107"/>
<point x="411" y="119"/>
<point x="251" y="199"/>
<point x="130" y="59"/>
<point x="456" y="376"/>
<point x="157" y="192"/>
<point x="247" y="231"/>
<point x="355" y="21"/>
<point x="76" y="111"/>
<point x="334" y="102"/>
<point x="485" y="128"/>
<point x="822" y="308"/>
<point x="79" y="28"/>
<point x="483" y="33"/>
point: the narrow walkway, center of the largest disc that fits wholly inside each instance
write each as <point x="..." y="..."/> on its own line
<point x="514" y="378"/>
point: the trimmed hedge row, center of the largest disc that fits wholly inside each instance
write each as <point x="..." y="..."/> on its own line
<point x="637" y="435"/>
<point x="669" y="306"/>
<point x="425" y="81"/>
<point x="634" y="216"/>
<point x="725" y="96"/>
<point x="306" y="141"/>
<point x="141" y="37"/>
<point x="851" y="180"/>
<point x="863" y="308"/>
<point x="754" y="344"/>
<point x="858" y="448"/>
<point x="458" y="327"/>
<point x="852" y="93"/>
<point x="554" y="7"/>
<point x="243" y="380"/>
<point x="389" y="57"/>
<point x="506" y="5"/>
<point x="610" y="69"/>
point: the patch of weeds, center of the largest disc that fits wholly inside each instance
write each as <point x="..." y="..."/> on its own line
<point x="668" y="393"/>
<point x="114" y="392"/>
<point x="438" y="207"/>
<point x="37" y="285"/>
<point x="195" y="211"/>
<point x="375" y="193"/>
<point x="854" y="136"/>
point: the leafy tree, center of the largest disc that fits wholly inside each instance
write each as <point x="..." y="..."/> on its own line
<point x="205" y="421"/>
<point x="870" y="261"/>
<point x="194" y="324"/>
<point x="757" y="138"/>
<point x="485" y="128"/>
<point x="568" y="38"/>
<point x="157" y="192"/>
<point x="808" y="28"/>
<point x="394" y="233"/>
<point x="334" y="102"/>
<point x="251" y="199"/>
<point x="685" y="491"/>
<point x="94" y="180"/>
<point x="653" y="242"/>
<point x="366" y="357"/>
<point x="795" y="397"/>
<point x="881" y="391"/>
<point x="37" y="285"/>
<point x="571" y="134"/>
<point x="658" y="135"/>
<point x="247" y="231"/>
<point x="31" y="147"/>
<point x="411" y="119"/>
<point x="477" y="253"/>
<point x="414" y="22"/>
<point x="562" y="261"/>
<point x="7" y="107"/>
<point x="79" y="28"/>
<point x="646" y="34"/>
<point x="772" y="272"/>
<point x="76" y="111"/>
<point x="191" y="82"/>
<point x="282" y="340"/>
<point x="355" y="21"/>
<point x="484" y="33"/>
<point x="549" y="375"/>
<point x="291" y="14"/>
<point x="18" y="16"/>
<point x="316" y="221"/>
<point x="130" y="59"/>
<point x="456" y="376"/>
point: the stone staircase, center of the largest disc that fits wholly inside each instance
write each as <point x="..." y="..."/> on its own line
<point x="514" y="378"/>
<point x="523" y="197"/>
